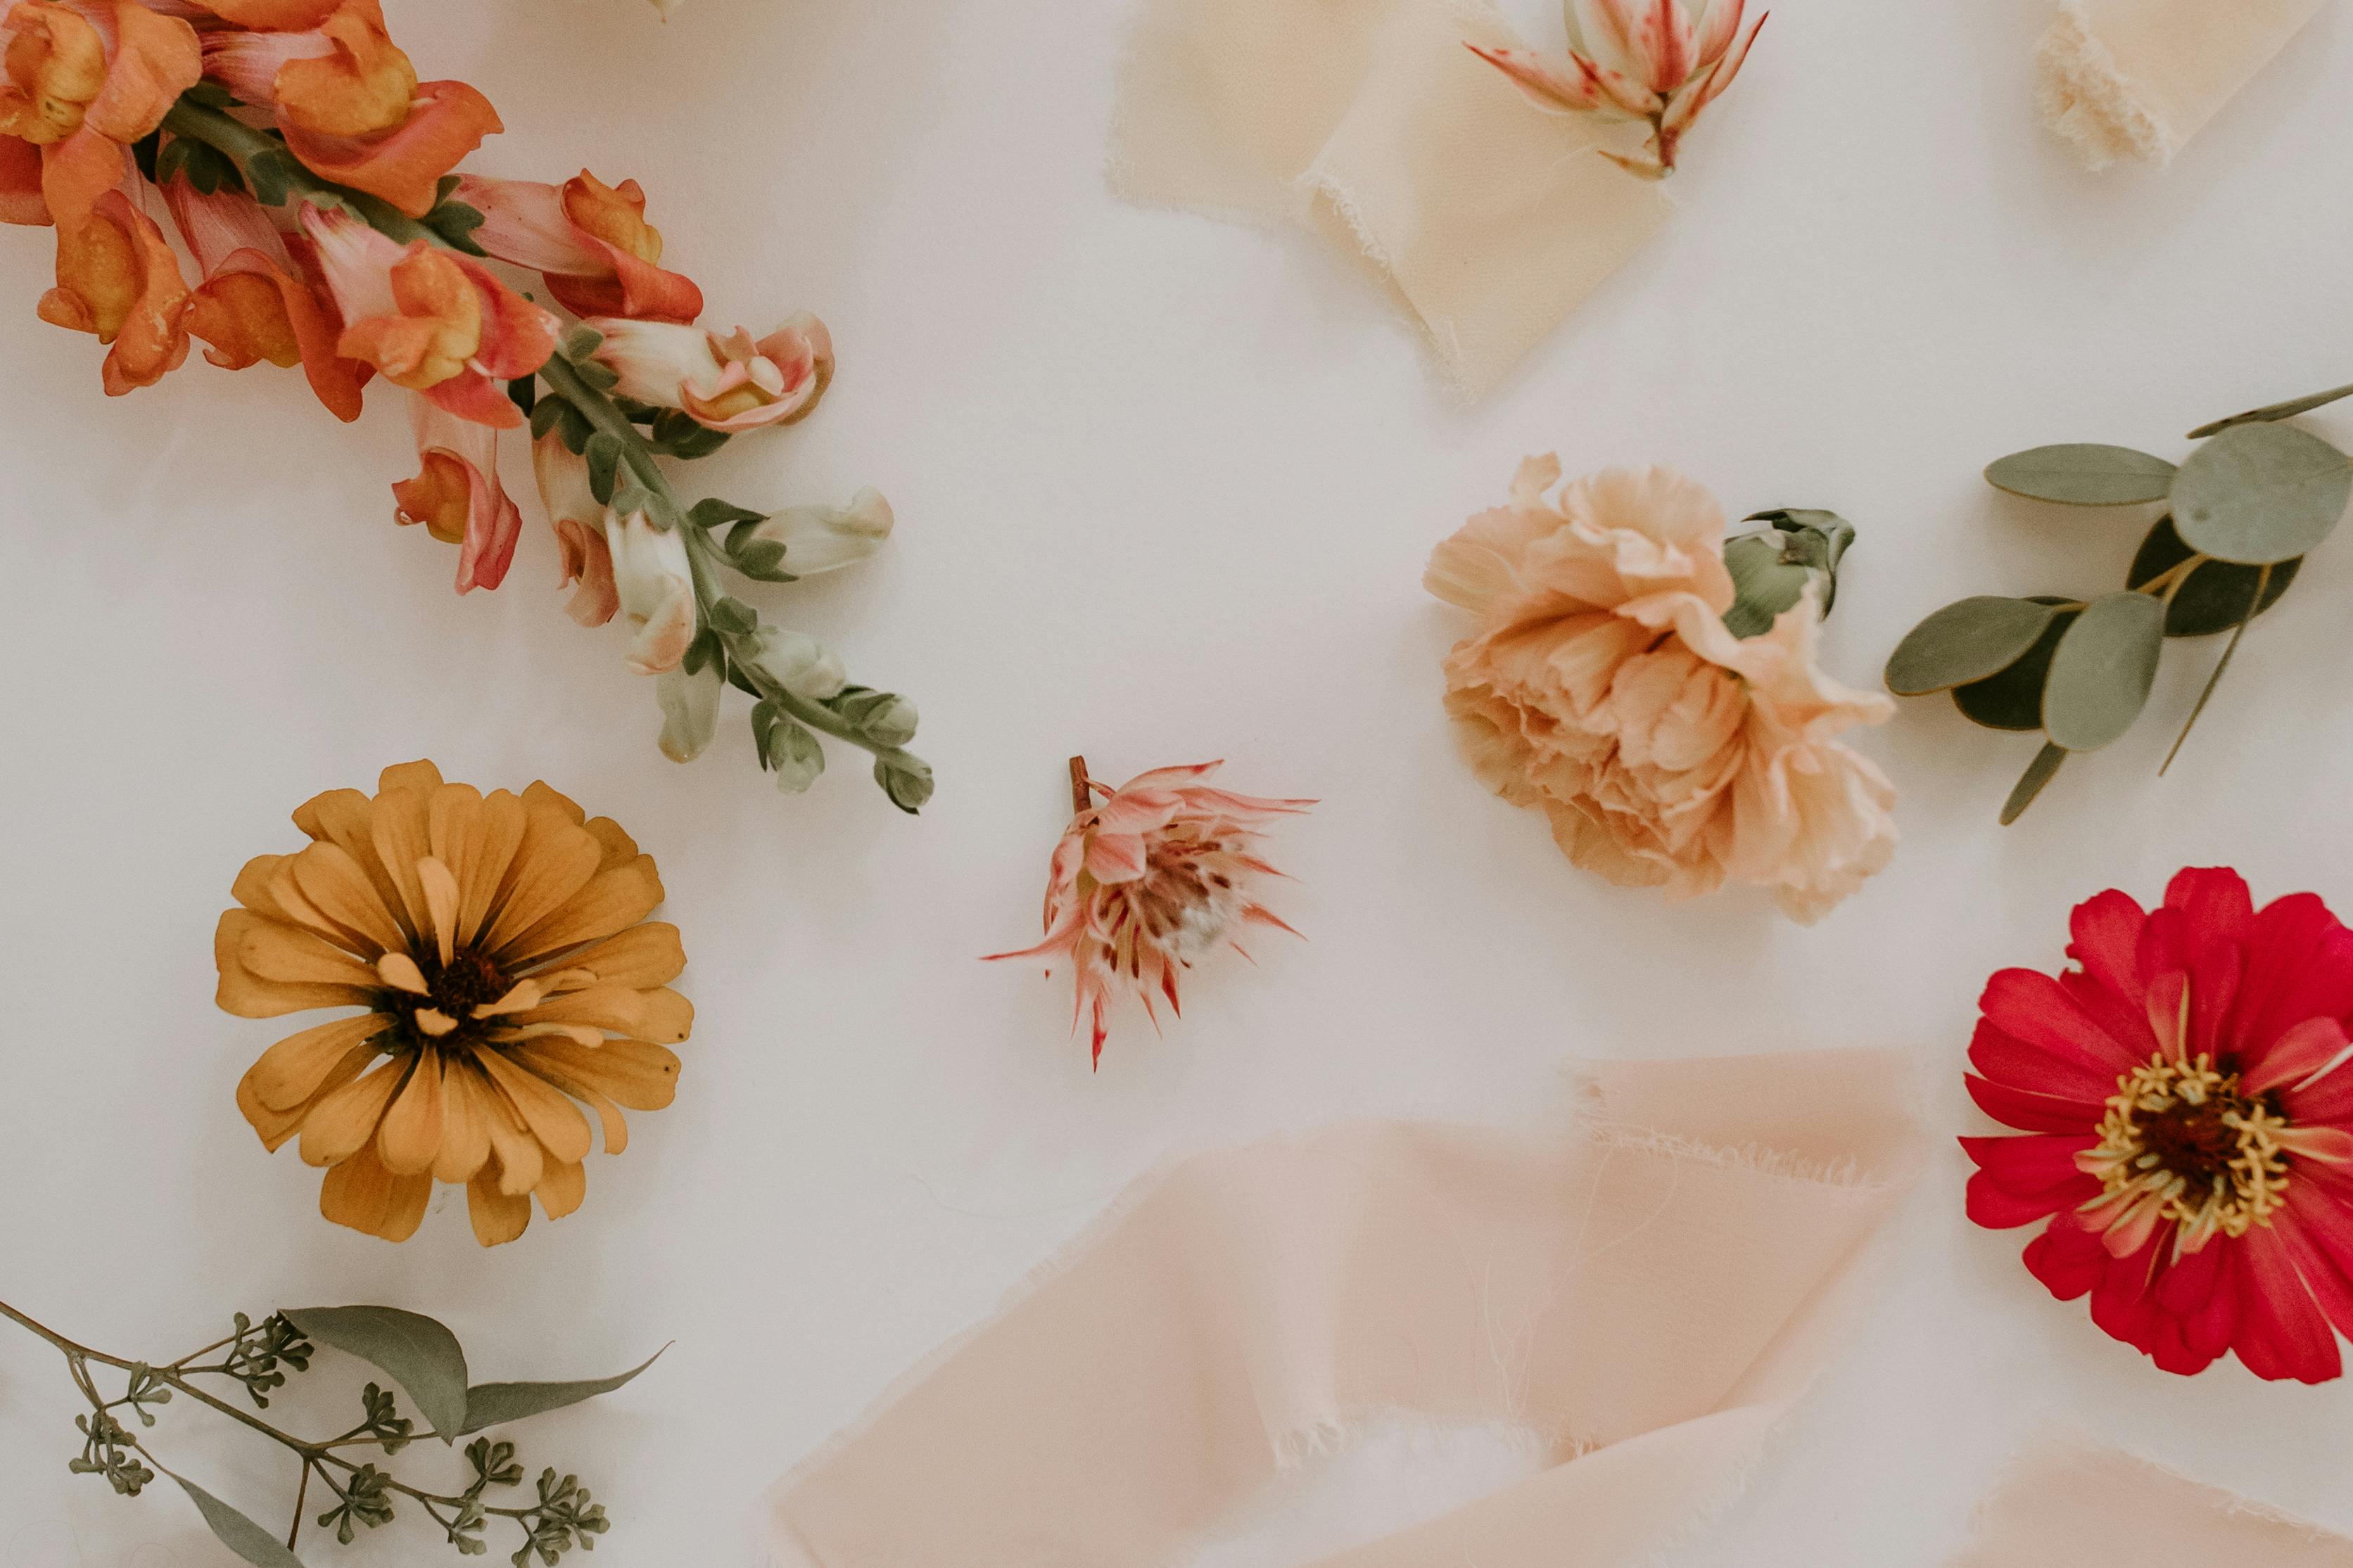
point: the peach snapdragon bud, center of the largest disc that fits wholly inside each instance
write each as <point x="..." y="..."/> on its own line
<point x="590" y="241"/>
<point x="578" y="517"/>
<point x="82" y="83"/>
<point x="731" y="384"/>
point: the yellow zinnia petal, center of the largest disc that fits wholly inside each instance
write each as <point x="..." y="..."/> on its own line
<point x="275" y="1127"/>
<point x="397" y="829"/>
<point x="561" y="1188"/>
<point x="290" y="1071"/>
<point x="465" y="1124"/>
<point x="339" y="886"/>
<point x="644" y="955"/>
<point x="498" y="1216"/>
<point x="660" y="1015"/>
<point x="297" y="955"/>
<point x="250" y="995"/>
<point x="556" y="861"/>
<point x="616" y="898"/>
<point x="417" y="775"/>
<point x="552" y="1119"/>
<point x="340" y="1124"/>
<point x="409" y="1137"/>
<point x="515" y="1152"/>
<point x="637" y="1073"/>
<point x="346" y="818"/>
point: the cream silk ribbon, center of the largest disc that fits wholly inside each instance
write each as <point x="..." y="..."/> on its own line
<point x="2070" y="1502"/>
<point x="2136" y="78"/>
<point x="1643" y="1292"/>
<point x="1368" y="119"/>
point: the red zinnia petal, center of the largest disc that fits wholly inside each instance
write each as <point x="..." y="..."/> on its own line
<point x="2293" y="1056"/>
<point x="2282" y="1332"/>
<point x="2067" y="1258"/>
<point x="2324" y="1272"/>
<point x="2122" y="1303"/>
<point x="2119" y="1014"/>
<point x="2030" y="1111"/>
<point x="2299" y="966"/>
<point x="2052" y="1063"/>
<point x="2032" y="1163"/>
<point x="2214" y="903"/>
<point x="2106" y="929"/>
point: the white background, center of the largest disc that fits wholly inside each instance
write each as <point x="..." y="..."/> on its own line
<point x="1165" y="489"/>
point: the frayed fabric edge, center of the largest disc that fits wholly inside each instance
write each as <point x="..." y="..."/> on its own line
<point x="2088" y="101"/>
<point x="1602" y="1125"/>
<point x="2069" y="1443"/>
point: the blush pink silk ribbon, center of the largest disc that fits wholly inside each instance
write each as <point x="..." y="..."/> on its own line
<point x="1643" y="1292"/>
<point x="2069" y="1501"/>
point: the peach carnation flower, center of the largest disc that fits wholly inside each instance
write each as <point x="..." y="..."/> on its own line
<point x="1603" y="686"/>
<point x="491" y="943"/>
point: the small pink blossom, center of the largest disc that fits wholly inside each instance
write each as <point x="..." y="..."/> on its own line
<point x="1636" y="59"/>
<point x="733" y="384"/>
<point x="1160" y="873"/>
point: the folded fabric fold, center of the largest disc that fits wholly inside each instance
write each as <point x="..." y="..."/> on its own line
<point x="1641" y="1293"/>
<point x="2066" y="1501"/>
<point x="2136" y="78"/>
<point x="1369" y="119"/>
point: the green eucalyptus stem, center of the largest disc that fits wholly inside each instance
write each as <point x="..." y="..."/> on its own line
<point x="703" y="557"/>
<point x="315" y="1456"/>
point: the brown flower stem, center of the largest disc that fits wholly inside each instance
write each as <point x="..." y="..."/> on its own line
<point x="1082" y="795"/>
<point x="301" y="1495"/>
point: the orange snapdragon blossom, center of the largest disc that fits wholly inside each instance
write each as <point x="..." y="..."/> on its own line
<point x="1162" y="872"/>
<point x="85" y="78"/>
<point x="1651" y="60"/>
<point x="497" y="951"/>
<point x="311" y="177"/>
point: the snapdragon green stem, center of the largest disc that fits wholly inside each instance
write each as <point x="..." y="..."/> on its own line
<point x="703" y="558"/>
<point x="243" y="145"/>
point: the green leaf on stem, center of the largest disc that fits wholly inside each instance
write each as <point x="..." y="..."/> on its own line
<point x="2012" y="699"/>
<point x="712" y="513"/>
<point x="762" y="560"/>
<point x="523" y="392"/>
<point x="706" y="647"/>
<point x="733" y="616"/>
<point x="2270" y="411"/>
<point x="603" y="451"/>
<point x="274" y="175"/>
<point x="455" y="222"/>
<point x="597" y="374"/>
<point x="2102" y="671"/>
<point x="579" y="340"/>
<point x="236" y="1533"/>
<point x="1966" y="641"/>
<point x="2260" y="494"/>
<point x="410" y="1348"/>
<point x="2261" y="586"/>
<point x="2215" y="595"/>
<point x="2039" y="772"/>
<point x="491" y="1405"/>
<point x="2083" y="475"/>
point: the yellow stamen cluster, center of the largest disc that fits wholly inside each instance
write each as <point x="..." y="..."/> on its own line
<point x="2182" y="1136"/>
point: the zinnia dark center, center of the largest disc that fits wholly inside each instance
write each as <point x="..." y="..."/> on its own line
<point x="470" y="979"/>
<point x="2197" y="1141"/>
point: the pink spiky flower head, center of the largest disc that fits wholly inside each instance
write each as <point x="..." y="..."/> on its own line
<point x="1655" y="61"/>
<point x="1162" y="872"/>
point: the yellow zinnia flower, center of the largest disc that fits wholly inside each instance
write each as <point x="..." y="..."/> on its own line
<point x="495" y="942"/>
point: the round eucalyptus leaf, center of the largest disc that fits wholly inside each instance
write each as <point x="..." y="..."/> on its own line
<point x="1964" y="642"/>
<point x="2083" y="475"/>
<point x="2013" y="699"/>
<point x="2102" y="670"/>
<point x="2260" y="494"/>
<point x="2215" y="596"/>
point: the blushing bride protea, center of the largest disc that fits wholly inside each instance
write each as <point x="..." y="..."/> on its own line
<point x="1629" y="59"/>
<point x="1160" y="874"/>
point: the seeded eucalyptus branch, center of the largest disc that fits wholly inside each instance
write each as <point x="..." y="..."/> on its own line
<point x="2242" y="509"/>
<point x="419" y="1356"/>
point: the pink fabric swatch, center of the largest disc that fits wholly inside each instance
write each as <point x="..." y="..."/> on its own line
<point x="1644" y="1291"/>
<point x="2070" y="1502"/>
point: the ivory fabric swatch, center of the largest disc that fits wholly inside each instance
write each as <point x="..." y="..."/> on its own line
<point x="1641" y="1293"/>
<point x="2074" y="1502"/>
<point x="2136" y="78"/>
<point x="1489" y="218"/>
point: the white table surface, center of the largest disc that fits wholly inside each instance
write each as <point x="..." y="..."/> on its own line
<point x="1165" y="488"/>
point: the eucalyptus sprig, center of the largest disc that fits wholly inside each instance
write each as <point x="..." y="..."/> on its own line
<point x="419" y="1356"/>
<point x="573" y="396"/>
<point x="2242" y="511"/>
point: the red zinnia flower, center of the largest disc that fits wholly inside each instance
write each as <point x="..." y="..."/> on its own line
<point x="2185" y="1100"/>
